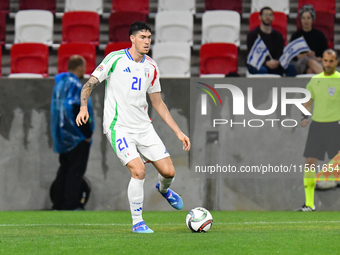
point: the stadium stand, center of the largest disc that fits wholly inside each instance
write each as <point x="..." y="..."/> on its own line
<point x="174" y="26"/>
<point x="0" y="61"/>
<point x="221" y="26"/>
<point x="150" y="8"/>
<point x="81" y="26"/>
<point x="87" y="50"/>
<point x="173" y="59"/>
<point x="84" y="5"/>
<point x="34" y="26"/>
<point x="279" y="22"/>
<point x="177" y="5"/>
<point x="323" y="6"/>
<point x="279" y="6"/>
<point x="48" y="5"/>
<point x="116" y="46"/>
<point x="2" y="28"/>
<point x="4" y="6"/>
<point x="218" y="58"/>
<point x="119" y="25"/>
<point x="211" y="5"/>
<point x="29" y="58"/>
<point x="130" y="6"/>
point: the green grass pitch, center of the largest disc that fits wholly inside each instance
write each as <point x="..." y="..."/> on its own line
<point x="109" y="232"/>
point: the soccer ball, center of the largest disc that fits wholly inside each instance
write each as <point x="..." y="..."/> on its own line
<point x="199" y="220"/>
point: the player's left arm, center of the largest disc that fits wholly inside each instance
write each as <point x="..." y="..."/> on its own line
<point x="163" y="111"/>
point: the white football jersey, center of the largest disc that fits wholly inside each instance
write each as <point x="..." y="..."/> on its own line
<point x="127" y="82"/>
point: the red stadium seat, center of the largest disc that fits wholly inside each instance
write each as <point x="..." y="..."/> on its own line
<point x="2" y="28"/>
<point x="29" y="58"/>
<point x="323" y="6"/>
<point x="4" y="6"/>
<point x="279" y="23"/>
<point x="116" y="46"/>
<point x="0" y="60"/>
<point x="276" y="6"/>
<point x="119" y="25"/>
<point x="130" y="6"/>
<point x="87" y="50"/>
<point x="48" y="5"/>
<point x="80" y="26"/>
<point x="223" y="5"/>
<point x="324" y="21"/>
<point x="218" y="58"/>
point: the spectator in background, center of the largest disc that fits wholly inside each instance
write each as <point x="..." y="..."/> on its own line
<point x="309" y="62"/>
<point x="274" y="42"/>
<point x="69" y="140"/>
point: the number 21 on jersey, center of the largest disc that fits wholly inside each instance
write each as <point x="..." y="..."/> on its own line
<point x="136" y="83"/>
<point x="120" y="144"/>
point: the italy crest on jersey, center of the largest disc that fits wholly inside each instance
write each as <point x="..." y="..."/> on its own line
<point x="331" y="91"/>
<point x="147" y="72"/>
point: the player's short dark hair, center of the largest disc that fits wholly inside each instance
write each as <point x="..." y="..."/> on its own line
<point x="75" y="61"/>
<point x="265" y="8"/>
<point x="331" y="51"/>
<point x="138" y="26"/>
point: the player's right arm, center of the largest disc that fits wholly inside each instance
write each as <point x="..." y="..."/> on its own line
<point x="83" y="114"/>
<point x="308" y="106"/>
<point x="99" y="74"/>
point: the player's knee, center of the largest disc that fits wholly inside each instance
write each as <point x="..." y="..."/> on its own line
<point x="308" y="166"/>
<point x="169" y="173"/>
<point x="138" y="174"/>
<point x="137" y="171"/>
<point x="310" y="163"/>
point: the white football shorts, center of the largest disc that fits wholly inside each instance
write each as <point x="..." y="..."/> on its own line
<point x="146" y="145"/>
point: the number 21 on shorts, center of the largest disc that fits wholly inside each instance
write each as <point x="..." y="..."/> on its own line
<point x="122" y="144"/>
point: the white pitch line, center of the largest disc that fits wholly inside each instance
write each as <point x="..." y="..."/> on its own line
<point x="63" y="224"/>
<point x="169" y="224"/>
<point x="289" y="222"/>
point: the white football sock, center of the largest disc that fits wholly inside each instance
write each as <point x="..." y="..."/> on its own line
<point x="165" y="183"/>
<point x="136" y="196"/>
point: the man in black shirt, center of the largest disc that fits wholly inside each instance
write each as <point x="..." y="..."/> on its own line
<point x="273" y="40"/>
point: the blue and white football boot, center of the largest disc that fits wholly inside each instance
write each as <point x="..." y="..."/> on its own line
<point x="172" y="197"/>
<point x="141" y="227"/>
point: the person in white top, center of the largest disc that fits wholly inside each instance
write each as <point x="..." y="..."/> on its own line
<point x="130" y="74"/>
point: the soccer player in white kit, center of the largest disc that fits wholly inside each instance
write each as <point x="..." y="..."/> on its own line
<point x="129" y="75"/>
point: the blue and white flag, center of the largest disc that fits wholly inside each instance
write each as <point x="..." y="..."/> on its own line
<point x="293" y="49"/>
<point x="258" y="53"/>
